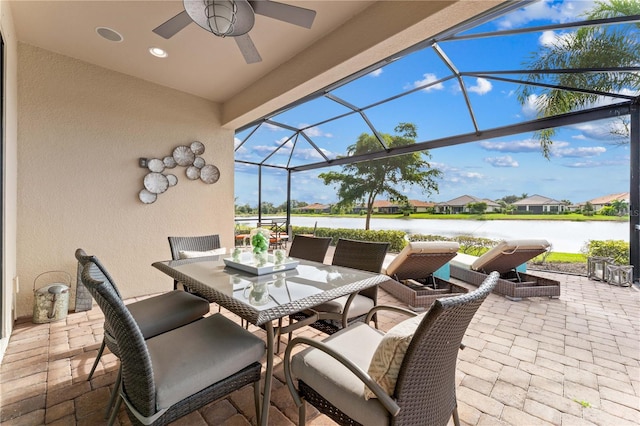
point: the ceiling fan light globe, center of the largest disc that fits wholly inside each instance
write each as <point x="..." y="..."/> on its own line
<point x="221" y="16"/>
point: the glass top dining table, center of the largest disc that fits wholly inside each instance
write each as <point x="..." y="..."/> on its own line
<point x="290" y="291"/>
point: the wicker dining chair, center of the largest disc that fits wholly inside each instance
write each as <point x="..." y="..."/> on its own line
<point x="339" y="313"/>
<point x="200" y="243"/>
<point x="216" y="356"/>
<point x="347" y="378"/>
<point x="154" y="315"/>
<point x="309" y="248"/>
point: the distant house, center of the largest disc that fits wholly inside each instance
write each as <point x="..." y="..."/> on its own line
<point x="601" y="202"/>
<point x="460" y="205"/>
<point x="315" y="208"/>
<point x="540" y="204"/>
<point x="391" y="207"/>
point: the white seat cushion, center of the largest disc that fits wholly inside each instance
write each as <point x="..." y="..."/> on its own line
<point x="335" y="382"/>
<point x="359" y="306"/>
<point x="193" y="357"/>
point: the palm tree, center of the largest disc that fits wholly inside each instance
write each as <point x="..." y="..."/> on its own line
<point x="588" y="47"/>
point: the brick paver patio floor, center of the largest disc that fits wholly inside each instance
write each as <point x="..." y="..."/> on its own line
<point x="574" y="360"/>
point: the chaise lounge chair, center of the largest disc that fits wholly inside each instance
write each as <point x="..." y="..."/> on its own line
<point x="507" y="258"/>
<point x="414" y="270"/>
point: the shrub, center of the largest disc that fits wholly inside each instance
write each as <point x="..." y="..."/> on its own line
<point x="468" y="244"/>
<point x="616" y="249"/>
<point x="395" y="238"/>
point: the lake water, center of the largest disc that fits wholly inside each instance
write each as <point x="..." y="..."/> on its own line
<point x="564" y="236"/>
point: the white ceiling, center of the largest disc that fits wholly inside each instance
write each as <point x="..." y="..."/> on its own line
<point x="198" y="63"/>
<point x="346" y="36"/>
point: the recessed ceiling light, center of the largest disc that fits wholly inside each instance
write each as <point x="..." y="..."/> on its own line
<point x="158" y="52"/>
<point x="109" y="34"/>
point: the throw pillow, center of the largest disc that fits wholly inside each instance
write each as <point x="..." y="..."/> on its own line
<point x="387" y="359"/>
<point x="188" y="254"/>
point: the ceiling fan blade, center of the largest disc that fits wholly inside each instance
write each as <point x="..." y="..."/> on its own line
<point x="248" y="49"/>
<point x="173" y="25"/>
<point x="284" y="12"/>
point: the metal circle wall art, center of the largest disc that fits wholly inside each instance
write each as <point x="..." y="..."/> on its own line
<point x="187" y="156"/>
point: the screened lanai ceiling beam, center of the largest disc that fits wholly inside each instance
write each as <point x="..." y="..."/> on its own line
<point x="444" y="58"/>
<point x="316" y="147"/>
<point x="590" y="70"/>
<point x="551" y="86"/>
<point x="253" y="163"/>
<point x="551" y="27"/>
<point x="264" y="160"/>
<point x="577" y="117"/>
<point x="362" y="114"/>
<point x="246" y="138"/>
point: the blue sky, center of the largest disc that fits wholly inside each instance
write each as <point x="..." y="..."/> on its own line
<point x="585" y="163"/>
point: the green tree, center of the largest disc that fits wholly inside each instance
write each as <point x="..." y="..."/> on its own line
<point x="588" y="209"/>
<point x="364" y="181"/>
<point x="477" y="208"/>
<point x="588" y="47"/>
<point x="619" y="207"/>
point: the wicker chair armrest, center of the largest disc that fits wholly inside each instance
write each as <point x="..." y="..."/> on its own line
<point x="396" y="309"/>
<point x="391" y="406"/>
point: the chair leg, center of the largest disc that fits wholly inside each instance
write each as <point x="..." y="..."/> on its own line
<point x="95" y="363"/>
<point x="114" y="414"/>
<point x="114" y="393"/>
<point x="256" y="397"/>
<point x="456" y="418"/>
<point x="302" y="414"/>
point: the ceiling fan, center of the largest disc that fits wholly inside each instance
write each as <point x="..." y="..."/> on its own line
<point x="234" y="18"/>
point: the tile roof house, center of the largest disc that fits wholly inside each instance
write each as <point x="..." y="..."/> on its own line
<point x="540" y="204"/>
<point x="600" y="202"/>
<point x="391" y="207"/>
<point x="315" y="208"/>
<point x="459" y="205"/>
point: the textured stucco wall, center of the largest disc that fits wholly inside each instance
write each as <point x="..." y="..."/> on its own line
<point x="81" y="131"/>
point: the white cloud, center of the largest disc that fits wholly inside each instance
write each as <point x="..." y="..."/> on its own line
<point x="505" y="161"/>
<point x="375" y="73"/>
<point x="315" y="132"/>
<point x="533" y="104"/>
<point x="548" y="10"/>
<point x="482" y="86"/>
<point x="527" y="145"/>
<point x="578" y="152"/>
<point x="428" y="78"/>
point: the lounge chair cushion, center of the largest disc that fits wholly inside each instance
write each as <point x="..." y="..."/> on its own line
<point x="504" y="257"/>
<point x="205" y="360"/>
<point x="189" y="254"/>
<point x="335" y="382"/>
<point x="387" y="359"/>
<point x="446" y="248"/>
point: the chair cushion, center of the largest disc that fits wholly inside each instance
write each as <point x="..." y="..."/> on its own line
<point x="189" y="359"/>
<point x="446" y="248"/>
<point x="387" y="359"/>
<point x="360" y="305"/>
<point x="189" y="254"/>
<point x="167" y="311"/>
<point x="509" y="254"/>
<point x="335" y="382"/>
<point x="463" y="260"/>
